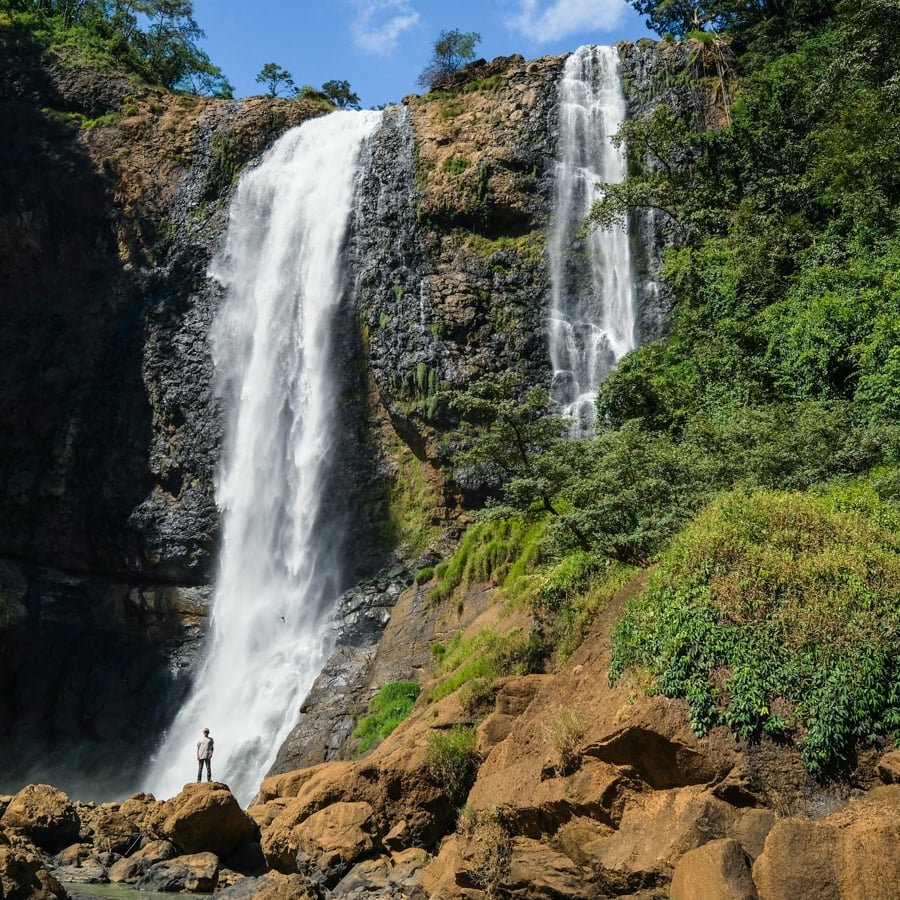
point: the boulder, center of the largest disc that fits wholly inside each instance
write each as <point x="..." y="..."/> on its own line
<point x="719" y="870"/>
<point x="274" y="886"/>
<point x="888" y="767"/>
<point x="44" y="814"/>
<point x="23" y="875"/>
<point x="195" y="872"/>
<point x="113" y="832"/>
<point x="85" y="871"/>
<point x="849" y="855"/>
<point x="130" y="870"/>
<point x="335" y="838"/>
<point x="203" y="817"/>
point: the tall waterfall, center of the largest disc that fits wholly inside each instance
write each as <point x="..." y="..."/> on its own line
<point x="280" y="269"/>
<point x="592" y="313"/>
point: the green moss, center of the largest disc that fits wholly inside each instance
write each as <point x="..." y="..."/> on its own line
<point x="455" y="165"/>
<point x="499" y="551"/>
<point x="387" y="709"/>
<point x="777" y="613"/>
<point x="383" y="319"/>
<point x="528" y="247"/>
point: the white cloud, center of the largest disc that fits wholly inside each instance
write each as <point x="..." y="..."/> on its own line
<point x="544" y="22"/>
<point x="379" y="24"/>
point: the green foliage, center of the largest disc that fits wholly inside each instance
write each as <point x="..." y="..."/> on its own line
<point x="496" y="551"/>
<point x="276" y="79"/>
<point x="387" y="709"/>
<point x="423" y="576"/>
<point x="339" y="93"/>
<point x="455" y="165"/>
<point x="487" y="655"/>
<point x="450" y="52"/>
<point x="776" y="613"/>
<point x="156" y="39"/>
<point x="452" y="761"/>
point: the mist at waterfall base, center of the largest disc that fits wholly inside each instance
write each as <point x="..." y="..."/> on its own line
<point x="279" y="571"/>
<point x="591" y="323"/>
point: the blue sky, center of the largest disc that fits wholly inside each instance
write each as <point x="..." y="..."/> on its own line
<point x="380" y="46"/>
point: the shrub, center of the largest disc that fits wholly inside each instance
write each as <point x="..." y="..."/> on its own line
<point x="452" y="762"/>
<point x="777" y="613"/>
<point x="387" y="709"/>
<point x="565" y="732"/>
<point x="423" y="576"/>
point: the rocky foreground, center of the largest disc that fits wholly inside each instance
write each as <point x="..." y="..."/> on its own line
<point x="582" y="791"/>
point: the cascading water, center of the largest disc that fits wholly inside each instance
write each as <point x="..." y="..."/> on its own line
<point x="592" y="313"/>
<point x="278" y="574"/>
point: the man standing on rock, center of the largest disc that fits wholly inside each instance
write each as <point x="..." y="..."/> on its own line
<point x="204" y="754"/>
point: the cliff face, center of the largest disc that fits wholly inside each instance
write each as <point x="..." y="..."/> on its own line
<point x="112" y="199"/>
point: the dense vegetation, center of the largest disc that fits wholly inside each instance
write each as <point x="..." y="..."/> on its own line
<point x="155" y="39"/>
<point x="760" y="433"/>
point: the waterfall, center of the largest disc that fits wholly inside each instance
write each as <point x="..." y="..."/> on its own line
<point x="592" y="312"/>
<point x="278" y="572"/>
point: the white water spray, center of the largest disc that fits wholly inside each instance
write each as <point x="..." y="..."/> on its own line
<point x="277" y="573"/>
<point x="592" y="314"/>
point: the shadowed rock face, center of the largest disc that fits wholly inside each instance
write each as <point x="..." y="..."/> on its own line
<point x="109" y="427"/>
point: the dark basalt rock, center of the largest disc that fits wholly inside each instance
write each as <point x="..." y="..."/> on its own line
<point x="342" y="691"/>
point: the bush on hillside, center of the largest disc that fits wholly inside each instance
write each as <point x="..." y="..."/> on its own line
<point x="778" y="613"/>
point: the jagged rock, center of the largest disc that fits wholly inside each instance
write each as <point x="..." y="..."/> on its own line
<point x="86" y="871"/>
<point x="23" y="875"/>
<point x="130" y="869"/>
<point x="719" y="870"/>
<point x="202" y="817"/>
<point x="512" y="697"/>
<point x="849" y="855"/>
<point x="72" y="854"/>
<point x="194" y="872"/>
<point x="45" y="814"/>
<point x="341" y="691"/>
<point x="888" y="767"/>
<point x="112" y="831"/>
<point x="335" y="838"/>
<point x="273" y="886"/>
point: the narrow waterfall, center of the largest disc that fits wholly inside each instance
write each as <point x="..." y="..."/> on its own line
<point x="278" y="575"/>
<point x="592" y="311"/>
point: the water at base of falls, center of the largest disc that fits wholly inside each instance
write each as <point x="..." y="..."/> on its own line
<point x="278" y="572"/>
<point x="591" y="322"/>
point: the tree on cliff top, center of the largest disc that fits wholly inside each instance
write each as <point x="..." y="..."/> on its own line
<point x="275" y="79"/>
<point x="451" y="51"/>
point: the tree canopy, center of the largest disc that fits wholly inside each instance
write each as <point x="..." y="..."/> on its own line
<point x="157" y="39"/>
<point x="276" y="79"/>
<point x="450" y="52"/>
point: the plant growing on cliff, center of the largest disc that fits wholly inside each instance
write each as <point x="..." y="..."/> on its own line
<point x="276" y="79"/>
<point x="387" y="709"/>
<point x="450" y="52"/>
<point x="452" y="761"/>
<point x="339" y="93"/>
<point x="776" y="613"/>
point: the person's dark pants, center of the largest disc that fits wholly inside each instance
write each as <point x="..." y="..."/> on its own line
<point x="208" y="770"/>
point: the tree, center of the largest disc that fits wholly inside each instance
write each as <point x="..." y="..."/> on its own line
<point x="452" y="50"/>
<point x="276" y="79"/>
<point x="339" y="93"/>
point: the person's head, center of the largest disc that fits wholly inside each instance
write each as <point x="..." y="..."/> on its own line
<point x="205" y="732"/>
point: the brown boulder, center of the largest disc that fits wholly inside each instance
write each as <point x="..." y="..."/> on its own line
<point x="44" y="814"/>
<point x="112" y="831"/>
<point x="272" y="886"/>
<point x="130" y="870"/>
<point x="195" y="872"/>
<point x="335" y="838"/>
<point x="203" y="817"/>
<point x="23" y="875"/>
<point x="719" y="870"/>
<point x="850" y="855"/>
<point x="889" y="767"/>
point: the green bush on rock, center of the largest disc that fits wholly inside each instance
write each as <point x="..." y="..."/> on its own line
<point x="387" y="709"/>
<point x="776" y="613"/>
